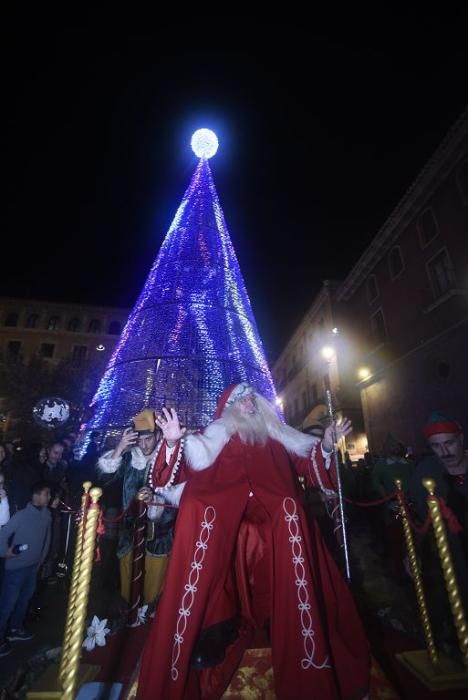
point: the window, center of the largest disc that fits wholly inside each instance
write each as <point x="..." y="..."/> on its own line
<point x="372" y="289"/>
<point x="79" y="354"/>
<point x="114" y="328"/>
<point x="427" y="227"/>
<point x="31" y="321"/>
<point x="94" y="326"/>
<point x="53" y="323"/>
<point x="74" y="325"/>
<point x="379" y="331"/>
<point x="395" y="262"/>
<point x="441" y="274"/>
<point x="47" y="350"/>
<point x="11" y="319"/>
<point x="462" y="181"/>
<point x="13" y="349"/>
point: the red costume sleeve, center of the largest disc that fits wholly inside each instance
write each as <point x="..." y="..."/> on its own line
<point x="314" y="470"/>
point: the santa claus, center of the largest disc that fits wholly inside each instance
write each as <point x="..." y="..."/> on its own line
<point x="245" y="561"/>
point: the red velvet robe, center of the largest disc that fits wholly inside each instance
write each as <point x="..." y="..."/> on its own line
<point x="242" y="548"/>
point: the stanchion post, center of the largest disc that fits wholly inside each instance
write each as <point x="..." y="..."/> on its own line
<point x="138" y="561"/>
<point x="417" y="579"/>
<point x="445" y="556"/>
<point x="70" y="672"/>
<point x="75" y="577"/>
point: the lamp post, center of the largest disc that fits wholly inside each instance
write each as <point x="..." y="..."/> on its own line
<point x="328" y="353"/>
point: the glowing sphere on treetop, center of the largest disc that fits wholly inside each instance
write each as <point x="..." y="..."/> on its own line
<point x="204" y="143"/>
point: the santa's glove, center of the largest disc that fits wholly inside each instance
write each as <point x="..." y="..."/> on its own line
<point x="172" y="494"/>
<point x="155" y="512"/>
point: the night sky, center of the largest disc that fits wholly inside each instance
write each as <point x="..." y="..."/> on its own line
<point x="322" y="126"/>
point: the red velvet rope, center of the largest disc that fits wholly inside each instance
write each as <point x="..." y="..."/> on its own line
<point x="372" y="503"/>
<point x="452" y="520"/>
<point x="453" y="523"/>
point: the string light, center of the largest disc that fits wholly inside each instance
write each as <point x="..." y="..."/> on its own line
<point x="192" y="331"/>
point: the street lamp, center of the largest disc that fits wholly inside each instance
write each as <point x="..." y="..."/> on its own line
<point x="364" y="373"/>
<point x="328" y="353"/>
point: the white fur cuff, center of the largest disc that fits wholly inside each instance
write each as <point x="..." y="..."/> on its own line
<point x="107" y="465"/>
<point x="202" y="450"/>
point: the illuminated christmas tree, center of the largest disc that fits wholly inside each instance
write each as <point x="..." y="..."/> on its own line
<point x="192" y="331"/>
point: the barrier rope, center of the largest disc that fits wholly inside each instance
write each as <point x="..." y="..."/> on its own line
<point x="452" y="521"/>
<point x="368" y="504"/>
<point x="449" y="516"/>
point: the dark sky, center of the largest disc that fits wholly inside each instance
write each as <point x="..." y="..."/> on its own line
<point x="323" y="125"/>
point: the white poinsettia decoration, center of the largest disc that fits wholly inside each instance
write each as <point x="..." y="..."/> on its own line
<point x="142" y="613"/>
<point x="97" y="632"/>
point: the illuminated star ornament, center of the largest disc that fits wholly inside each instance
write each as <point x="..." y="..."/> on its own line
<point x="192" y="331"/>
<point x="204" y="143"/>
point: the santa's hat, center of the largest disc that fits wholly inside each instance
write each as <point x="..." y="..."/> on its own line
<point x="441" y="423"/>
<point x="233" y="393"/>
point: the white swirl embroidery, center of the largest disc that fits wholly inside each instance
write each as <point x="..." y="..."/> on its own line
<point x="291" y="517"/>
<point x="190" y="587"/>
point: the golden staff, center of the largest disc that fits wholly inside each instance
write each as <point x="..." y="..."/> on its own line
<point x="75" y="578"/>
<point x="70" y="672"/>
<point x="416" y="575"/>
<point x="447" y="569"/>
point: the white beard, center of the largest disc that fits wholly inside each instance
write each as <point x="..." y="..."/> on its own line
<point x="253" y="428"/>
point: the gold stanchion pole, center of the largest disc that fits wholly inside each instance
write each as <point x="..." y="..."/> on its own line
<point x="70" y="671"/>
<point x="416" y="574"/>
<point x="75" y="578"/>
<point x="447" y="569"/>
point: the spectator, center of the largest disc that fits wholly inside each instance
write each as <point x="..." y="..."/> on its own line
<point x="31" y="527"/>
<point x="4" y="516"/>
<point x="391" y="466"/>
<point x="4" y="504"/>
<point x="49" y="567"/>
<point x="448" y="467"/>
<point x="25" y="471"/>
<point x="92" y="451"/>
<point x="3" y="455"/>
<point x="6" y="461"/>
<point x="54" y="470"/>
<point x="68" y="457"/>
<point x="10" y="449"/>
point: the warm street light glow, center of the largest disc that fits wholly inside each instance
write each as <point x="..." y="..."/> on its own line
<point x="364" y="373"/>
<point x="328" y="352"/>
<point x="335" y="331"/>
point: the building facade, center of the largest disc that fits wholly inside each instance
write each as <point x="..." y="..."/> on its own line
<point x="401" y="350"/>
<point x="406" y="301"/>
<point x="320" y="353"/>
<point x="57" y="332"/>
<point x="47" y="344"/>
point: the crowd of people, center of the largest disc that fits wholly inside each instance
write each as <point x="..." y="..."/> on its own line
<point x="150" y="462"/>
<point x="36" y="483"/>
